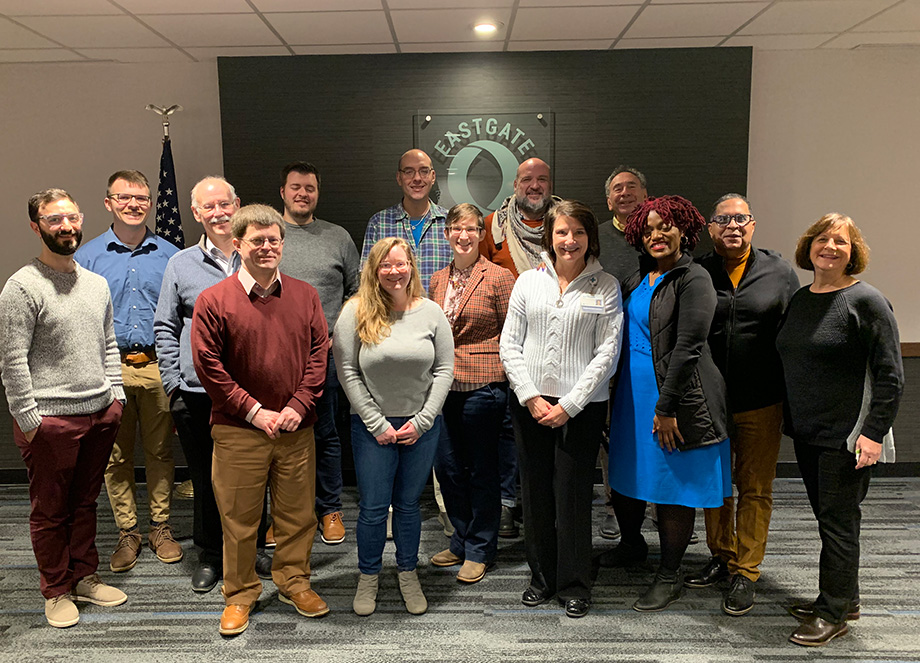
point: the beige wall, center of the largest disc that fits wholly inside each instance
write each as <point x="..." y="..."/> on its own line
<point x="840" y="132"/>
<point x="71" y="126"/>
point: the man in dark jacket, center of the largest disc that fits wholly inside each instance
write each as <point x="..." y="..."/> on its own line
<point x="753" y="287"/>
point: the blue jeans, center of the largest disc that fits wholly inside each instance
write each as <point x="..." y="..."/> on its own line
<point x="508" y="461"/>
<point x="390" y="474"/>
<point x="467" y="467"/>
<point x="328" y="447"/>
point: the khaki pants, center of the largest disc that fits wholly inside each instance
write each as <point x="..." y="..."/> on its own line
<point x="244" y="459"/>
<point x="739" y="536"/>
<point x="146" y="404"/>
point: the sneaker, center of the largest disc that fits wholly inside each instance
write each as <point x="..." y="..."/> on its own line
<point x="92" y="590"/>
<point x="740" y="597"/>
<point x="163" y="544"/>
<point x="127" y="550"/>
<point x="507" y="529"/>
<point x="61" y="612"/>
<point x="333" y="528"/>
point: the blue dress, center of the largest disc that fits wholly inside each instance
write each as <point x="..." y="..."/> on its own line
<point x="639" y="468"/>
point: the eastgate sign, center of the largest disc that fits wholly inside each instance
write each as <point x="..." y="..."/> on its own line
<point x="477" y="156"/>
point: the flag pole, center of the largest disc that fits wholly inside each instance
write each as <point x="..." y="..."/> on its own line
<point x="168" y="219"/>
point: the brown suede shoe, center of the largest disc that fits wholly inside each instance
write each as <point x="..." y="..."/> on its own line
<point x="308" y="603"/>
<point x="446" y="558"/>
<point x="816" y="632"/>
<point x="235" y="619"/>
<point x="161" y="541"/>
<point x="333" y="528"/>
<point x="471" y="572"/>
<point x="126" y="552"/>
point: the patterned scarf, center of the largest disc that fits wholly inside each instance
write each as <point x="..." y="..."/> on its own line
<point x="524" y="243"/>
<point x="458" y="280"/>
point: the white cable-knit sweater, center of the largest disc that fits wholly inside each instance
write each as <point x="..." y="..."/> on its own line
<point x="563" y="345"/>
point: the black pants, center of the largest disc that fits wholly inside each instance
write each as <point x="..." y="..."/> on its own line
<point x="835" y="490"/>
<point x="557" y="484"/>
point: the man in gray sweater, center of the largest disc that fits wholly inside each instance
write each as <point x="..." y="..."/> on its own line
<point x="62" y="372"/>
<point x="324" y="255"/>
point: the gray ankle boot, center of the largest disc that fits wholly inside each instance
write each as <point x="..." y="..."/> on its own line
<point x="411" y="592"/>
<point x="366" y="597"/>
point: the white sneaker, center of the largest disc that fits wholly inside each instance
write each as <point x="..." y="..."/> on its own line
<point x="93" y="590"/>
<point x="61" y="612"/>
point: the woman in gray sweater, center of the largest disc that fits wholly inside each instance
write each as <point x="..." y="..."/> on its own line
<point x="394" y="352"/>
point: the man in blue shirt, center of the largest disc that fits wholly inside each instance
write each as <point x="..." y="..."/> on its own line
<point x="132" y="259"/>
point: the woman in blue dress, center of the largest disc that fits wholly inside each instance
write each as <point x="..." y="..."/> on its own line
<point x="668" y="437"/>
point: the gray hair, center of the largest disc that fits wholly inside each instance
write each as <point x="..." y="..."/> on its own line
<point x="624" y="169"/>
<point x="211" y="178"/>
<point x="731" y="196"/>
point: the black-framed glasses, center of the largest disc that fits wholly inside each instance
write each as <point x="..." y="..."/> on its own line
<point x="259" y="242"/>
<point x="57" y="220"/>
<point x="740" y="219"/>
<point x="424" y="171"/>
<point x="124" y="198"/>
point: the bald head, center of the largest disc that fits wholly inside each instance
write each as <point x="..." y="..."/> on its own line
<point x="533" y="188"/>
<point x="415" y="177"/>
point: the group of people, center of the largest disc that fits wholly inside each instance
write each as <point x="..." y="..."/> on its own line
<point x="452" y="335"/>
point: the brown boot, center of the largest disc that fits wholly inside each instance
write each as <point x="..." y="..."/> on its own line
<point x="127" y="550"/>
<point x="162" y="543"/>
<point x="235" y="619"/>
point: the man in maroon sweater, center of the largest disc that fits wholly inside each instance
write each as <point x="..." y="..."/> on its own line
<point x="259" y="344"/>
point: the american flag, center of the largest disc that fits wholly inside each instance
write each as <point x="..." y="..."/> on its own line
<point x="169" y="221"/>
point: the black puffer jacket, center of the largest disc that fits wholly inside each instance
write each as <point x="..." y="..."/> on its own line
<point x="689" y="384"/>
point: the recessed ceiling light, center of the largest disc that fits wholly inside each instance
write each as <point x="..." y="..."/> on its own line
<point x="486" y="28"/>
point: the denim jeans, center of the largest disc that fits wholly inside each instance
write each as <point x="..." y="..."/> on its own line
<point x="328" y="447"/>
<point x="508" y="461"/>
<point x="390" y="474"/>
<point x="467" y="466"/>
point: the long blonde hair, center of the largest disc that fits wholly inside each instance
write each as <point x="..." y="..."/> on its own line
<point x="374" y="313"/>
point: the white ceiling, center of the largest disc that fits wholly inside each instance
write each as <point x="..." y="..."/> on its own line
<point x="194" y="30"/>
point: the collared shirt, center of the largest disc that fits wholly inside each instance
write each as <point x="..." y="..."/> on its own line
<point x="225" y="263"/>
<point x="134" y="277"/>
<point x="432" y="251"/>
<point x="251" y="286"/>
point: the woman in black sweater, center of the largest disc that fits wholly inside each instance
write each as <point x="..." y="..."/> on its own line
<point x="842" y="362"/>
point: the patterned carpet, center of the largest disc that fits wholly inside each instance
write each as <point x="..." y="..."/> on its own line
<point x="165" y="621"/>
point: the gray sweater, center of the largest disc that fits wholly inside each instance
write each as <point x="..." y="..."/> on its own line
<point x="324" y="255"/>
<point x="58" y="354"/>
<point x="407" y="374"/>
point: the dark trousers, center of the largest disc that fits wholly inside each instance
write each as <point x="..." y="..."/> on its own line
<point x="467" y="466"/>
<point x="557" y="483"/>
<point x="507" y="460"/>
<point x="835" y="490"/>
<point x="66" y="462"/>
<point x="191" y="412"/>
<point x="328" y="447"/>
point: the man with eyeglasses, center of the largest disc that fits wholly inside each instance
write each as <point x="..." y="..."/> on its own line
<point x="260" y="346"/>
<point x="60" y="367"/>
<point x="625" y="190"/>
<point x="132" y="259"/>
<point x="754" y="287"/>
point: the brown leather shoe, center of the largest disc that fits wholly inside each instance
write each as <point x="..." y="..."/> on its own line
<point x="235" y="619"/>
<point x="815" y="632"/>
<point x="333" y="528"/>
<point x="270" y="536"/>
<point x="126" y="552"/>
<point x="803" y="611"/>
<point x="446" y="558"/>
<point x="471" y="572"/>
<point x="163" y="543"/>
<point x="308" y="603"/>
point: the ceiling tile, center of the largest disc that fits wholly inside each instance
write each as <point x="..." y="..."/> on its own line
<point x="332" y="27"/>
<point x="38" y="55"/>
<point x="573" y="23"/>
<point x="578" y="3"/>
<point x="669" y="42"/>
<point x="186" y="6"/>
<point x="561" y="45"/>
<point x="56" y="7"/>
<point x="453" y="47"/>
<point x="136" y="54"/>
<point x="704" y="20"/>
<point x="697" y="2"/>
<point x="504" y="5"/>
<point x="16" y="36"/>
<point x="780" y="42"/>
<point x="315" y="5"/>
<point x="94" y="31"/>
<point x="813" y="16"/>
<point x="869" y="39"/>
<point x="214" y="29"/>
<point x="236" y="51"/>
<point x="423" y="25"/>
<point x="344" y="49"/>
<point x="905" y="16"/>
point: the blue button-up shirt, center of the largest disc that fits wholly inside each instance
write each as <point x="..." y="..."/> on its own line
<point x="134" y="278"/>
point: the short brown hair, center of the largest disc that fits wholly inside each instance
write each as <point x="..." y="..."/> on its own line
<point x="129" y="176"/>
<point x="255" y="215"/>
<point x="859" y="250"/>
<point x="581" y="213"/>
<point x="462" y="211"/>
<point x="42" y="198"/>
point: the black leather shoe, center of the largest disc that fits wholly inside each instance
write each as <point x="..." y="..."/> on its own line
<point x="507" y="528"/>
<point x="740" y="597"/>
<point x="576" y="608"/>
<point x="815" y="632"/>
<point x="609" y="528"/>
<point x="803" y="611"/>
<point x="205" y="577"/>
<point x="664" y="590"/>
<point x="533" y="597"/>
<point x="713" y="572"/>
<point x="264" y="565"/>
<point x="624" y="555"/>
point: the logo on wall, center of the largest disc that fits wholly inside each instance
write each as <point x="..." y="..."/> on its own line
<point x="476" y="156"/>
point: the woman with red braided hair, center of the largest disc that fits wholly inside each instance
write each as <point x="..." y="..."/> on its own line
<point x="668" y="438"/>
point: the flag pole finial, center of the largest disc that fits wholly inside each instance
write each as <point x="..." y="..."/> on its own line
<point x="164" y="112"/>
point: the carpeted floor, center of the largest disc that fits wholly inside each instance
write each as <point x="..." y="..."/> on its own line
<point x="165" y="621"/>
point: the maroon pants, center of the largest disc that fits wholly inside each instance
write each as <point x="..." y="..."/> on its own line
<point x="66" y="463"/>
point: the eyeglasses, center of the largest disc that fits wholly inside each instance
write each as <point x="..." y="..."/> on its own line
<point x="390" y="266"/>
<point x="124" y="198"/>
<point x="410" y="172"/>
<point x="224" y="205"/>
<point x="259" y="242"/>
<point x="724" y="219"/>
<point x="453" y="230"/>
<point x="57" y="220"/>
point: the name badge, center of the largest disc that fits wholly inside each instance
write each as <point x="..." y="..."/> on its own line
<point x="592" y="303"/>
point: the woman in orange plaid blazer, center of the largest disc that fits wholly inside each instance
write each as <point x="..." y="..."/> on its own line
<point x="474" y="294"/>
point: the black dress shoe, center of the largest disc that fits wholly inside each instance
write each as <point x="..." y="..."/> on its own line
<point x="713" y="572"/>
<point x="624" y="555"/>
<point x="533" y="597"/>
<point x="803" y="611"/>
<point x="205" y="577"/>
<point x="576" y="608"/>
<point x="609" y="528"/>
<point x="664" y="590"/>
<point x="740" y="597"/>
<point x="815" y="632"/>
<point x="264" y="565"/>
<point x="507" y="528"/>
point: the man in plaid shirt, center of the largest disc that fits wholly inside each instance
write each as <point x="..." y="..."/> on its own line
<point x="415" y="218"/>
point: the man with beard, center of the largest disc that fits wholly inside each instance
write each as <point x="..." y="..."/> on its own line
<point x="60" y="366"/>
<point x="132" y="260"/>
<point x="323" y="255"/>
<point x="625" y="190"/>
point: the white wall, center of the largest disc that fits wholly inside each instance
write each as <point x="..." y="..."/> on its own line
<point x="840" y="132"/>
